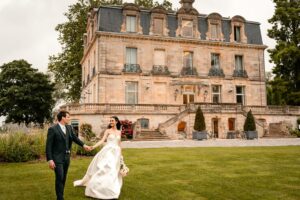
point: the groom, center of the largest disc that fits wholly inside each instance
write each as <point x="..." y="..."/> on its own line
<point x="58" y="150"/>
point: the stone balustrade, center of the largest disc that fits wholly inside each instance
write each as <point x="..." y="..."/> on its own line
<point x="175" y="109"/>
<point x="123" y="108"/>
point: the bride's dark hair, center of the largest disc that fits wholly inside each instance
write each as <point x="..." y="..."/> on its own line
<point x="118" y="123"/>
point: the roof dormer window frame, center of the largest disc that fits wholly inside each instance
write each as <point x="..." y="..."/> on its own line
<point x="214" y="19"/>
<point x="238" y="21"/>
<point x="159" y="13"/>
<point x="133" y="10"/>
<point x="194" y="20"/>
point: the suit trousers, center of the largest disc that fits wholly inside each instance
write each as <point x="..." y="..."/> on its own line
<point x="61" y="171"/>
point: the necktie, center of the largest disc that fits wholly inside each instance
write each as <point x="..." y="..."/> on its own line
<point x="64" y="129"/>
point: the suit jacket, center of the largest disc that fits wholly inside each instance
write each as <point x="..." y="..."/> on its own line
<point x="58" y="143"/>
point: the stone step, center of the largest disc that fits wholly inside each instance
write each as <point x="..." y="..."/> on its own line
<point x="150" y="136"/>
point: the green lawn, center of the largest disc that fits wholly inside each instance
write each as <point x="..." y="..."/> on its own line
<point x="174" y="174"/>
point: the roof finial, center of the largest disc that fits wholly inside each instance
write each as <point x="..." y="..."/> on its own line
<point x="187" y="4"/>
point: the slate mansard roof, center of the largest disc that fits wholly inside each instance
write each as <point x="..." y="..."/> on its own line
<point x="110" y="19"/>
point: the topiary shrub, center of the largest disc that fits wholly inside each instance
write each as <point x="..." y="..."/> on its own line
<point x="249" y="124"/>
<point x="86" y="131"/>
<point x="199" y="124"/>
<point x="250" y="127"/>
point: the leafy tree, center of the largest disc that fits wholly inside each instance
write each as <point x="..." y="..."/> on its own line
<point x="150" y="4"/>
<point x="65" y="66"/>
<point x="25" y="93"/>
<point x="249" y="124"/>
<point x="286" y="54"/>
<point x="199" y="124"/>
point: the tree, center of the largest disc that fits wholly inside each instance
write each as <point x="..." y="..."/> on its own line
<point x="150" y="4"/>
<point x="65" y="66"/>
<point x="249" y="124"/>
<point x="25" y="93"/>
<point x="286" y="54"/>
<point x="199" y="124"/>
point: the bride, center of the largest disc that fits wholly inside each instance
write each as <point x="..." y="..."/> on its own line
<point x="103" y="179"/>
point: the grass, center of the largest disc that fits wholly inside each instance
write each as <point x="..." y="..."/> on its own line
<point x="174" y="174"/>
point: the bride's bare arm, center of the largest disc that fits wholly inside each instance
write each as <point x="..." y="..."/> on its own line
<point x="102" y="140"/>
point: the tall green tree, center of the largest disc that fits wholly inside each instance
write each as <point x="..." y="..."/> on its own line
<point x="286" y="54"/>
<point x="65" y="66"/>
<point x="150" y="4"/>
<point x="25" y="93"/>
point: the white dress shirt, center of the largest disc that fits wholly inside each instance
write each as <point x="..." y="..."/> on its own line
<point x="63" y="128"/>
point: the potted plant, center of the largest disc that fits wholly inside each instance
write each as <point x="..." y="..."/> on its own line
<point x="199" y="126"/>
<point x="250" y="127"/>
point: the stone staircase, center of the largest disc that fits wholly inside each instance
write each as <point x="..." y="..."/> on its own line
<point x="151" y="136"/>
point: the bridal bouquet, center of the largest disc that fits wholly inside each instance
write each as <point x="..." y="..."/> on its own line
<point x="123" y="169"/>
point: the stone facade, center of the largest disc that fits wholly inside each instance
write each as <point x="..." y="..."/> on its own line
<point x="159" y="65"/>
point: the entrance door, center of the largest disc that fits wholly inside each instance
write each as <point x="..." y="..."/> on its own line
<point x="215" y="128"/>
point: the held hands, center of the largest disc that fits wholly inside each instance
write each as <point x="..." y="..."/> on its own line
<point x="87" y="148"/>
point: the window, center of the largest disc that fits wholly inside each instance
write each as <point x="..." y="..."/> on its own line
<point x="215" y="60"/>
<point x="187" y="28"/>
<point x="237" y="33"/>
<point x="214" y="31"/>
<point x="75" y="125"/>
<point x="240" y="94"/>
<point x="216" y="93"/>
<point x="131" y="56"/>
<point x="144" y="123"/>
<point x="131" y="23"/>
<point x="158" y="26"/>
<point x="131" y="92"/>
<point x="159" y="57"/>
<point x="239" y="63"/>
<point x="188" y="59"/>
<point x="231" y="124"/>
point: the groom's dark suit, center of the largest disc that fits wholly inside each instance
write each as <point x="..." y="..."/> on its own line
<point x="58" y="149"/>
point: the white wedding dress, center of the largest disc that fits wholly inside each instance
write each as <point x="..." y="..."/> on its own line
<point x="102" y="179"/>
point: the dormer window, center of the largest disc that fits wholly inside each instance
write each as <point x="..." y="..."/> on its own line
<point x="187" y="28"/>
<point x="130" y="23"/>
<point x="187" y="17"/>
<point x="237" y="33"/>
<point x="158" y="26"/>
<point x="214" y="30"/>
<point x="214" y="27"/>
<point x="238" y="30"/>
<point x="159" y="21"/>
<point x="131" y="19"/>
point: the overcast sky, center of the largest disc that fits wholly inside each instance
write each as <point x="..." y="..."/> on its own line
<point x="28" y="26"/>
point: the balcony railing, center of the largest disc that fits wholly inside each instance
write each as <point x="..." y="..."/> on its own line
<point x="132" y="68"/>
<point x="123" y="108"/>
<point x="189" y="71"/>
<point x="160" y="70"/>
<point x="214" y="71"/>
<point x="291" y="110"/>
<point x="91" y="108"/>
<point x="240" y="73"/>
